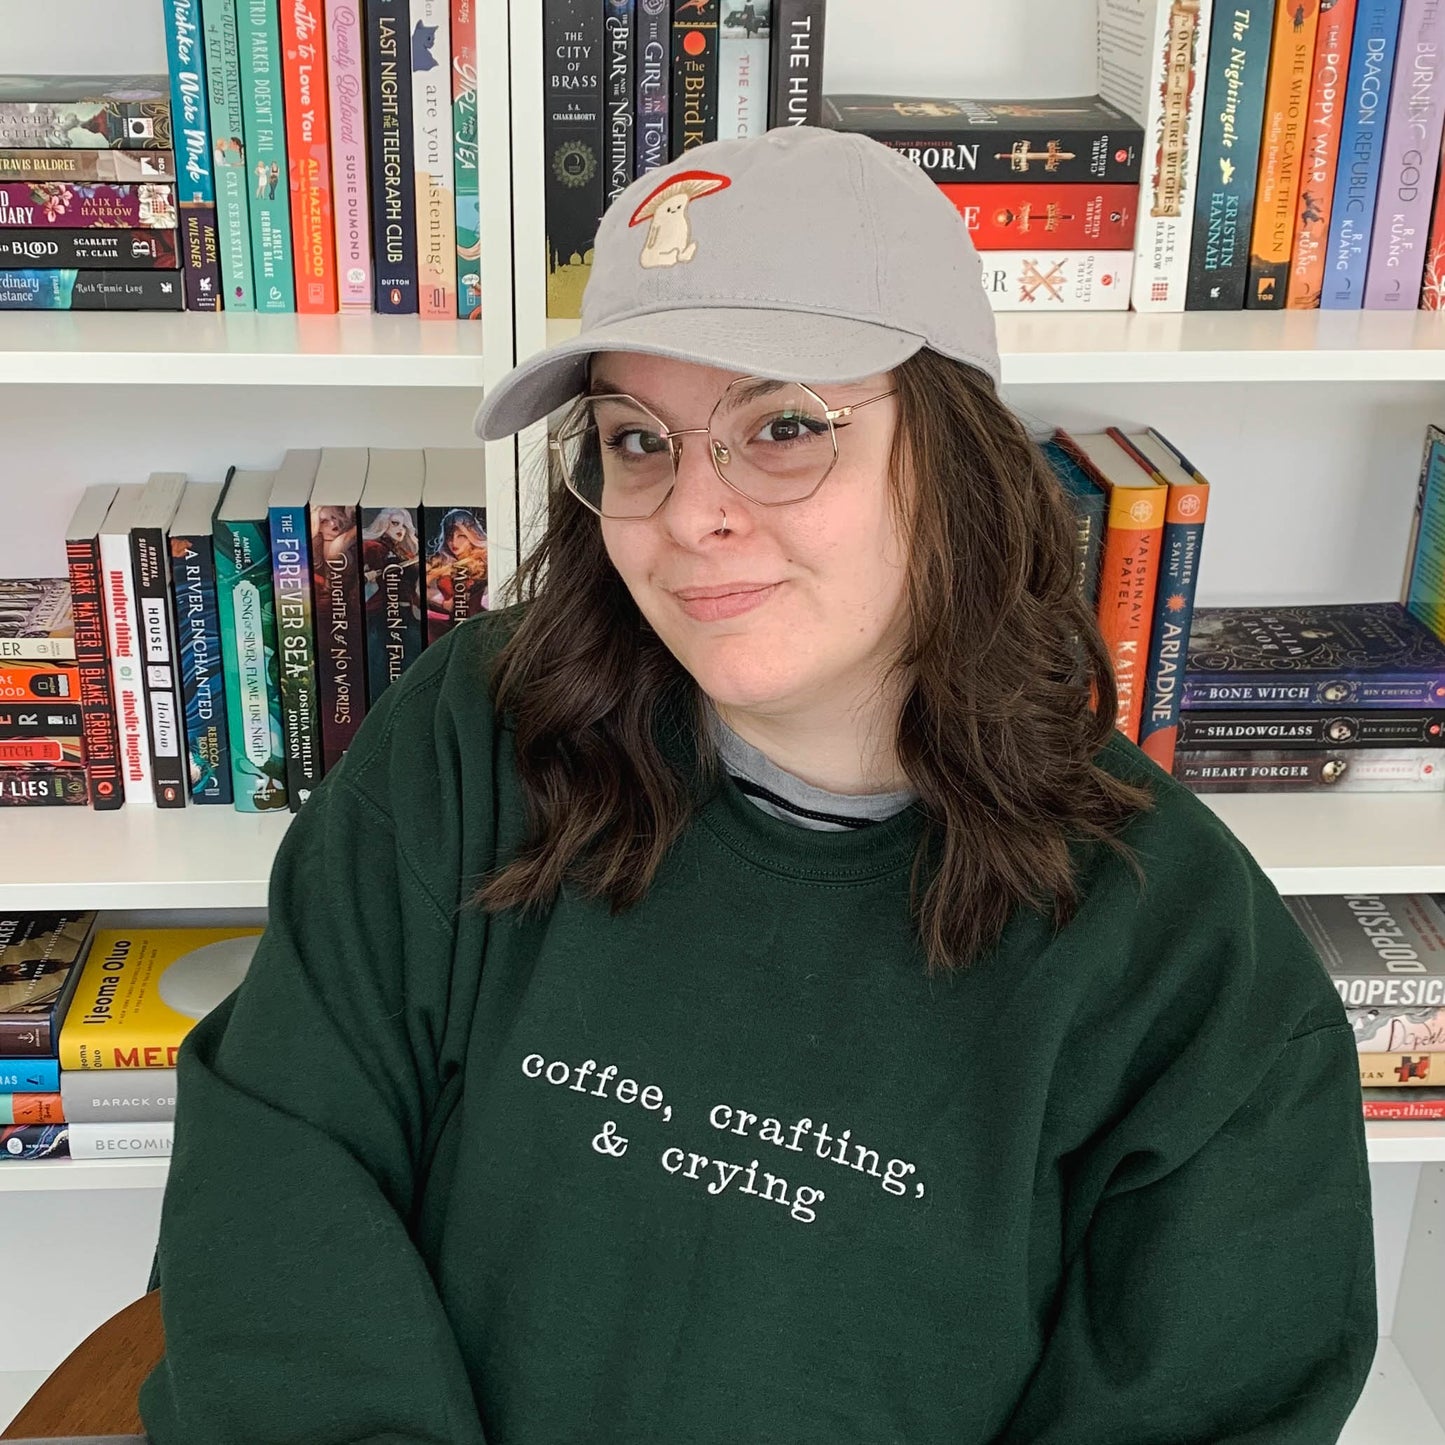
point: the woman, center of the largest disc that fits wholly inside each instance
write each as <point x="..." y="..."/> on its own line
<point x="747" y="992"/>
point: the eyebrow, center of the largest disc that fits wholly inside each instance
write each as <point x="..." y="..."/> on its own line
<point x="602" y="386"/>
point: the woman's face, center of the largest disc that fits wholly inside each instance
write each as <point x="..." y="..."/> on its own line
<point x="814" y="592"/>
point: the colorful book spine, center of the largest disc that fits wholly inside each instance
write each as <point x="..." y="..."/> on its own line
<point x="1285" y="114"/>
<point x="1423" y="590"/>
<point x="101" y="122"/>
<point x="203" y="689"/>
<point x="434" y="159"/>
<point x="135" y="250"/>
<point x="69" y="290"/>
<point x="88" y="165"/>
<point x="464" y="149"/>
<point x="694" y="74"/>
<point x="125" y="664"/>
<point x="572" y="138"/>
<point x="742" y="64"/>
<point x="29" y="1076"/>
<point x="393" y="622"/>
<point x="190" y="122"/>
<point x="296" y="645"/>
<point x="45" y="204"/>
<point x="1058" y="280"/>
<point x="346" y="91"/>
<point x="1409" y="163"/>
<point x="34" y="1141"/>
<point x="223" y="90"/>
<point x="1321" y="155"/>
<point x="796" y="63"/>
<point x="92" y="660"/>
<point x="1362" y="133"/>
<point x="653" y="74"/>
<point x="1432" y="294"/>
<point x="31" y="1109"/>
<point x="308" y="150"/>
<point x="619" y="26"/>
<point x="43" y="785"/>
<point x="389" y="151"/>
<point x="150" y="553"/>
<point x="1009" y="217"/>
<point x="264" y="120"/>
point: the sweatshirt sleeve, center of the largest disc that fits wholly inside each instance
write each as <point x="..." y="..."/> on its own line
<point x="1218" y="1280"/>
<point x="296" y="1307"/>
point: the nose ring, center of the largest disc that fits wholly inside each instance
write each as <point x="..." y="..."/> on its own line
<point x="718" y="531"/>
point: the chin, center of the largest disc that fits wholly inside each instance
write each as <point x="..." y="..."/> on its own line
<point x="740" y="671"/>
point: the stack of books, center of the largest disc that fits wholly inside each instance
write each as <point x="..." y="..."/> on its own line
<point x="88" y="215"/>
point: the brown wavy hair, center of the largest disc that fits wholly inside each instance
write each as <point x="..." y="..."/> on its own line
<point x="1009" y="691"/>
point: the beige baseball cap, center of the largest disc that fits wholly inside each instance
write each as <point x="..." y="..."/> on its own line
<point x="800" y="254"/>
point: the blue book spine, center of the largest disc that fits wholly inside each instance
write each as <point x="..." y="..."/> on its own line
<point x="296" y="647"/>
<point x="1362" y="136"/>
<point x="29" y="1076"/>
<point x="203" y="692"/>
<point x="223" y="89"/>
<point x="190" y="123"/>
<point x="1317" y="690"/>
<point x="653" y="70"/>
<point x="259" y="38"/>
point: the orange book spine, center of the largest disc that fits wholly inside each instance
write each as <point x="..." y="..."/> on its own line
<point x="1321" y="155"/>
<point x="308" y="151"/>
<point x="31" y="1109"/>
<point x="1286" y="109"/>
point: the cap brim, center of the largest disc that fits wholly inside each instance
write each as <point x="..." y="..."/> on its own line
<point x="788" y="345"/>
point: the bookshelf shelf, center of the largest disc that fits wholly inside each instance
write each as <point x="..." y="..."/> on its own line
<point x="1231" y="347"/>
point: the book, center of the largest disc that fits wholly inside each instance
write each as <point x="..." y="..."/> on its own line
<point x="1088" y="503"/>
<point x="131" y="112"/>
<point x="1321" y="154"/>
<point x="29" y="1075"/>
<point x="1432" y="291"/>
<point x="1317" y="731"/>
<point x="308" y="152"/>
<point x="81" y="166"/>
<point x="1329" y="655"/>
<point x="150" y="525"/>
<point x="1152" y="58"/>
<point x="1269" y="770"/>
<point x="221" y="41"/>
<point x="198" y="628"/>
<point x="81" y="250"/>
<point x="694" y="74"/>
<point x="572" y="135"/>
<point x="40" y="958"/>
<point x="1362" y="132"/>
<point x="1008" y="216"/>
<point x="346" y="94"/>
<point x="390" y="155"/>
<point x="1401" y="1070"/>
<point x="264" y="128"/>
<point x="123" y="645"/>
<point x="454" y="526"/>
<point x="249" y="662"/>
<point x="35" y="785"/>
<point x="1071" y="139"/>
<point x="48" y="681"/>
<point x="1423" y="589"/>
<point x="618" y="28"/>
<point x="390" y="552"/>
<point x="1058" y="280"/>
<point x="1185" y="512"/>
<point x="1282" y="153"/>
<point x="190" y="122"/>
<point x="744" y="51"/>
<point x="34" y="1141"/>
<point x="1129" y="570"/>
<point x="31" y="1109"/>
<point x="73" y="290"/>
<point x="295" y="640"/>
<point x="116" y="1140"/>
<point x="46" y="204"/>
<point x="92" y="651"/>
<point x="36" y="621"/>
<point x="142" y="990"/>
<point x="125" y="1096"/>
<point x="1385" y="955"/>
<point x="336" y="598"/>
<point x="1409" y="163"/>
<point x="795" y="64"/>
<point x="40" y="720"/>
<point x="1404" y="1103"/>
<point x="464" y="153"/>
<point x="436" y="202"/>
<point x="653" y="74"/>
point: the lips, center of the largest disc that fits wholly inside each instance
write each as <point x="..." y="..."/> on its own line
<point x="729" y="599"/>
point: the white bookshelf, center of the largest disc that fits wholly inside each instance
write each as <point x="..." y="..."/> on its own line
<point x="1310" y="426"/>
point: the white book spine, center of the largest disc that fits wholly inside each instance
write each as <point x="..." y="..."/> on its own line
<point x="1058" y="280"/>
<point x="1153" y="56"/>
<point x="121" y="1141"/>
<point x="742" y="101"/>
<point x="433" y="160"/>
<point x="116" y="1096"/>
<point x="126" y="678"/>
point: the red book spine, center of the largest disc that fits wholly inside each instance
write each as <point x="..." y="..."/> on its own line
<point x="92" y="660"/>
<point x="1016" y="215"/>
<point x="308" y="151"/>
<point x="1432" y="296"/>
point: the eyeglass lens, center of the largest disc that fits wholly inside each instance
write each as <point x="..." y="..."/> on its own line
<point x="773" y="442"/>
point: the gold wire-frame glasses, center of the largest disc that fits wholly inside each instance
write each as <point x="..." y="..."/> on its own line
<point x="780" y="472"/>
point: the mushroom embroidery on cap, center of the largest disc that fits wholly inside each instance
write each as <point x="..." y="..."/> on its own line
<point x="669" y="236"/>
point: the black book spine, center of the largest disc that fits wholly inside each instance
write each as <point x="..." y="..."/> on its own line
<point x="141" y="249"/>
<point x="998" y="157"/>
<point x="92" y="659"/>
<point x="203" y="689"/>
<point x="390" y="156"/>
<point x="653" y="54"/>
<point x="620" y="26"/>
<point x="68" y="290"/>
<point x="694" y="74"/>
<point x="572" y="134"/>
<point x="796" y="70"/>
<point x="148" y="555"/>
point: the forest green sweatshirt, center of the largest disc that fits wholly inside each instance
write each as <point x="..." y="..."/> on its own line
<point x="730" y="1168"/>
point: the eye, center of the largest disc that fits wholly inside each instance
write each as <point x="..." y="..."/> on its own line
<point x="790" y="426"/>
<point x="636" y="442"/>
